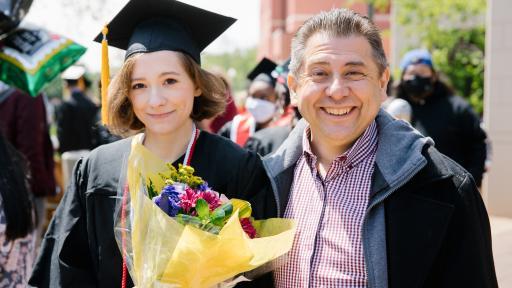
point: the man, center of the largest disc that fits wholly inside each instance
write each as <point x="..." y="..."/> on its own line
<point x="76" y="117"/>
<point x="376" y="204"/>
<point x="438" y="113"/>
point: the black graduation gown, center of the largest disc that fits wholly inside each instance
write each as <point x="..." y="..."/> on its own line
<point x="268" y="140"/>
<point x="79" y="248"/>
<point x="76" y="123"/>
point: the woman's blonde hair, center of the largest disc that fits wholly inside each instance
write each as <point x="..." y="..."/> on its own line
<point x="122" y="119"/>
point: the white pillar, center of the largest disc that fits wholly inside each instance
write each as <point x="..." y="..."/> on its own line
<point x="498" y="106"/>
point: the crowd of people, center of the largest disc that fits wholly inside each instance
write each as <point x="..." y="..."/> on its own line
<point x="384" y="188"/>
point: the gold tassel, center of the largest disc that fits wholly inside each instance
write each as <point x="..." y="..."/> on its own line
<point x="105" y="76"/>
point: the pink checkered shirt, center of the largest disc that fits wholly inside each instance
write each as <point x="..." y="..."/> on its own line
<point x="328" y="250"/>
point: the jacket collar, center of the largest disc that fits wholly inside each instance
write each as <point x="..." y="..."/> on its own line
<point x="399" y="151"/>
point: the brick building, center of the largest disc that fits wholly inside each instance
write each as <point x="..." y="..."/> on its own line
<point x="280" y="19"/>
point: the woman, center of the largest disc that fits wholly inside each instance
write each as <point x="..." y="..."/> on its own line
<point x="160" y="91"/>
<point x="437" y="112"/>
<point x="16" y="219"/>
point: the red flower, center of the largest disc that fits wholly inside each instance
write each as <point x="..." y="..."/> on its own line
<point x="188" y="199"/>
<point x="248" y="228"/>
<point x="212" y="198"/>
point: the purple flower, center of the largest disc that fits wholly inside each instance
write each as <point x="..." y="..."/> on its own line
<point x="168" y="200"/>
<point x="203" y="187"/>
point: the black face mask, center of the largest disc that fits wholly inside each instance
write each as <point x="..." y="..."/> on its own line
<point x="418" y="87"/>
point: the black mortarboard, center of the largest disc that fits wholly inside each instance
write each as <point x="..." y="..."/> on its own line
<point x="263" y="72"/>
<point x="156" y="25"/>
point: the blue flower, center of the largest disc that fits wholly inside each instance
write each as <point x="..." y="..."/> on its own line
<point x="168" y="200"/>
<point x="203" y="187"/>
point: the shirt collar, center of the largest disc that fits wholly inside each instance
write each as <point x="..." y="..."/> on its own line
<point x="362" y="148"/>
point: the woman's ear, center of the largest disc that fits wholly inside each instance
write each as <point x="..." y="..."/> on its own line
<point x="197" y="92"/>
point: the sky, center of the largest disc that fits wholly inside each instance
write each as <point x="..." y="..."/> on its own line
<point x="82" y="20"/>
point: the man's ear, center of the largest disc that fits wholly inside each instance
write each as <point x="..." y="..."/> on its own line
<point x="383" y="83"/>
<point x="292" y="86"/>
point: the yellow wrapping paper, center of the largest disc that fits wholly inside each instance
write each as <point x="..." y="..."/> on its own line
<point x="165" y="253"/>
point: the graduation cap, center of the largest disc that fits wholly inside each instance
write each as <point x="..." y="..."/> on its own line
<point x="156" y="25"/>
<point x="144" y="26"/>
<point x="263" y="72"/>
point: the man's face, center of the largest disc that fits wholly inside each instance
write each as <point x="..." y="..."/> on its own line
<point x="340" y="90"/>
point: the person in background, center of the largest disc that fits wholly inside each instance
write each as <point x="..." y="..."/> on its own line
<point x="268" y="140"/>
<point x="17" y="221"/>
<point x="76" y="117"/>
<point x="438" y="113"/>
<point x="23" y="122"/>
<point x="261" y="105"/>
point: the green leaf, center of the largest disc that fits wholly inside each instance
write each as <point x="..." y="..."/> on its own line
<point x="185" y="219"/>
<point x="228" y="209"/>
<point x="218" y="216"/>
<point x="202" y="209"/>
<point x="222" y="214"/>
<point x="151" y="190"/>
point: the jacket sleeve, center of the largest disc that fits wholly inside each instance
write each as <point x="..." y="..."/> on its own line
<point x="252" y="184"/>
<point x="476" y="149"/>
<point x="64" y="259"/>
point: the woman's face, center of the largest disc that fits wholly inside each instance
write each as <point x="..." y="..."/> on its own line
<point x="161" y="92"/>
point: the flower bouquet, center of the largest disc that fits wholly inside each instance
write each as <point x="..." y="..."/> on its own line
<point x="175" y="231"/>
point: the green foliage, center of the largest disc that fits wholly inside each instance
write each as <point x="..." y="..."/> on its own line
<point x="205" y="220"/>
<point x="185" y="219"/>
<point x="454" y="31"/>
<point x="151" y="190"/>
<point x="241" y="61"/>
<point x="379" y="5"/>
<point x="202" y="209"/>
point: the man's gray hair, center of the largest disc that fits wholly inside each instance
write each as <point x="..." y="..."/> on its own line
<point x="337" y="23"/>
